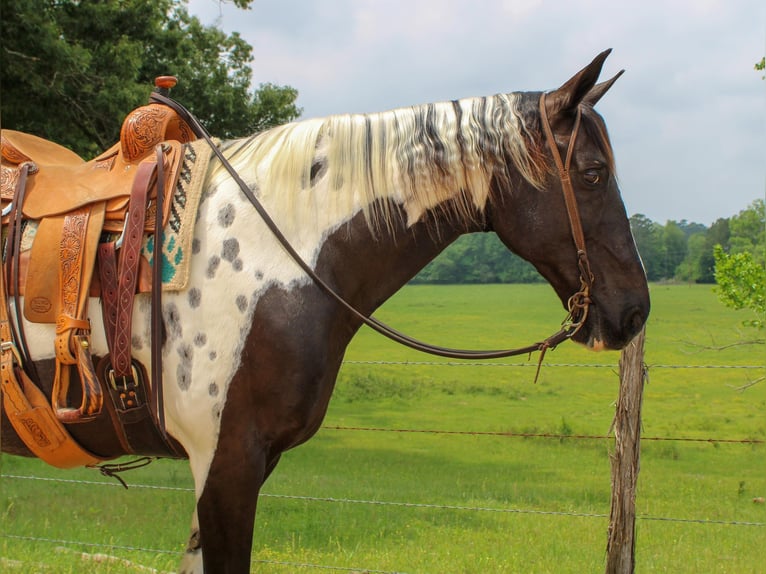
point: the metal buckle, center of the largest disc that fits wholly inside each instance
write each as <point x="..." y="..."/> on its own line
<point x="128" y="382"/>
<point x="125" y="389"/>
<point x="121" y="238"/>
<point x="11" y="346"/>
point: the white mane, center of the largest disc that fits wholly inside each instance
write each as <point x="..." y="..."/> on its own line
<point x="418" y="157"/>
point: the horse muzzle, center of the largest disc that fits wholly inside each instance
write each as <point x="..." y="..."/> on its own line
<point x="600" y="334"/>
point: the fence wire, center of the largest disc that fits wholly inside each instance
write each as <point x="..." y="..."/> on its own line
<point x="544" y="365"/>
<point x="388" y="502"/>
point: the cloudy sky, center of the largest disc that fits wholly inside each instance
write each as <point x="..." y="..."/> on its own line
<point x="687" y="120"/>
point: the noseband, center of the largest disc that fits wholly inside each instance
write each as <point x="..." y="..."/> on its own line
<point x="577" y="304"/>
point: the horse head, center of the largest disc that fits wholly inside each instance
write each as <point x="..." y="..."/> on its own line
<point x="533" y="220"/>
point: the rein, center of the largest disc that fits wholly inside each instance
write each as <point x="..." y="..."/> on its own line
<point x="577" y="304"/>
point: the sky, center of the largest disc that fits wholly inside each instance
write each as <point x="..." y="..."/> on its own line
<point x="687" y="120"/>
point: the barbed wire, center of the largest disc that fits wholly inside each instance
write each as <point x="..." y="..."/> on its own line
<point x="559" y="437"/>
<point x="421" y="505"/>
<point x="552" y="365"/>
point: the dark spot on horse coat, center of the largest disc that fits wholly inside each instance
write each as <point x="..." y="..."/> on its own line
<point x="226" y="215"/>
<point x="173" y="321"/>
<point x="200" y="339"/>
<point x="259" y="275"/>
<point x="237" y="264"/>
<point x="195" y="296"/>
<point x="196" y="246"/>
<point x="242" y="303"/>
<point x="183" y="377"/>
<point x="136" y="343"/>
<point x="213" y="389"/>
<point x="186" y="352"/>
<point x="183" y="373"/>
<point x="230" y="249"/>
<point x="213" y="355"/>
<point x="212" y="266"/>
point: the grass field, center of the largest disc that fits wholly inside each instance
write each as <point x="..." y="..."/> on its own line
<point x="457" y="500"/>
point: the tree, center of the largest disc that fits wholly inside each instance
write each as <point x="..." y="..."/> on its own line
<point x="648" y="237"/>
<point x="696" y="268"/>
<point x="741" y="284"/>
<point x="478" y="258"/>
<point x="741" y="273"/>
<point x="748" y="231"/>
<point x="72" y="69"/>
<point x="674" y="245"/>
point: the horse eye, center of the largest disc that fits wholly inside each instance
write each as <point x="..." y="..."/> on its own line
<point x="592" y="176"/>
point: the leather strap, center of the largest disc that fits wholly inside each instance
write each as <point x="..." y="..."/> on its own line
<point x="81" y="231"/>
<point x="156" y="318"/>
<point x="579" y="302"/>
<point x="32" y="418"/>
<point x="107" y="269"/>
<point x="132" y="413"/>
<point x="130" y="255"/>
<point x="13" y="256"/>
<point x="136" y="408"/>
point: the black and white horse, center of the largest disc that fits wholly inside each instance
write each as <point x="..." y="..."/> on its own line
<point x="253" y="346"/>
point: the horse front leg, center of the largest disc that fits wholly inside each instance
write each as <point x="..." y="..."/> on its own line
<point x="222" y="526"/>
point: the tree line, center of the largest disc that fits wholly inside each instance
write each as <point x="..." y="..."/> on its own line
<point x="676" y="250"/>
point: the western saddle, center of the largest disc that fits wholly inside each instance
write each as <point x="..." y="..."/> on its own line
<point x="87" y="216"/>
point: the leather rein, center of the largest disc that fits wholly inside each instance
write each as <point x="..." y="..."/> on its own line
<point x="577" y="304"/>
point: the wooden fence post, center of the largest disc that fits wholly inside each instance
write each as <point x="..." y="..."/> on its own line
<point x="621" y="546"/>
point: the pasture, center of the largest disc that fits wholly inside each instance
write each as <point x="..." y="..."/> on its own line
<point x="495" y="473"/>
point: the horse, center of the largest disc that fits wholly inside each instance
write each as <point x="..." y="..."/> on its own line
<point x="253" y="344"/>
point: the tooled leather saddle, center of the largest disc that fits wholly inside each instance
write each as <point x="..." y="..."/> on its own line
<point x="89" y="220"/>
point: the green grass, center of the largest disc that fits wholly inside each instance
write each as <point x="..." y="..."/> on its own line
<point x="543" y="501"/>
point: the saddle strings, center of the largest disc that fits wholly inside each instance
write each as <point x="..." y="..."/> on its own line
<point x="12" y="266"/>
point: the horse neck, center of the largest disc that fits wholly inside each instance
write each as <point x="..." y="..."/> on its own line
<point x="370" y="266"/>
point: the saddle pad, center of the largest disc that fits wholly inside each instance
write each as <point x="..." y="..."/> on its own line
<point x="179" y="231"/>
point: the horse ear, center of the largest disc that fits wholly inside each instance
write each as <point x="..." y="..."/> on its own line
<point x="568" y="97"/>
<point x="597" y="91"/>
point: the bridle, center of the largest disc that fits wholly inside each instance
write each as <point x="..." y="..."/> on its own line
<point x="578" y="303"/>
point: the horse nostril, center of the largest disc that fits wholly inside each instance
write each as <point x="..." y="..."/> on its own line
<point x="634" y="321"/>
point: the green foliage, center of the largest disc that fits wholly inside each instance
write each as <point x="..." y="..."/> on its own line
<point x="748" y="231"/>
<point x="684" y="251"/>
<point x="71" y="70"/>
<point x="740" y="269"/>
<point x="273" y="105"/>
<point x="478" y="258"/>
<point x="741" y="284"/>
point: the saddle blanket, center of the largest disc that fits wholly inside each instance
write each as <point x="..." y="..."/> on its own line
<point x="179" y="231"/>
